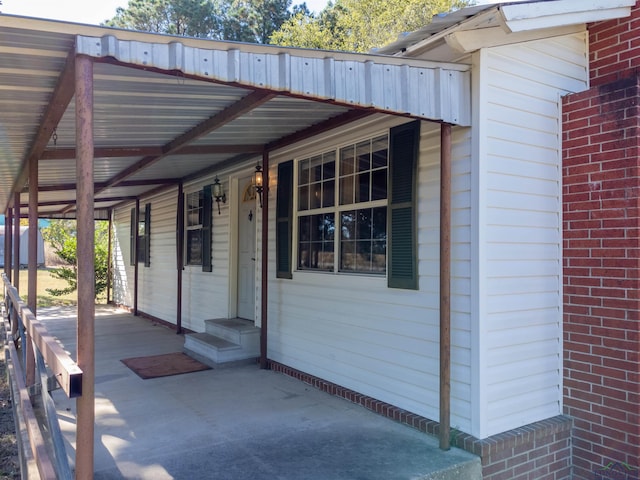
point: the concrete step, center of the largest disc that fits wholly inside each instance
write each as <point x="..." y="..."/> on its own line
<point x="213" y="350"/>
<point x="238" y="331"/>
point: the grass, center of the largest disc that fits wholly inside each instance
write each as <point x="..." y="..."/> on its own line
<point x="47" y="281"/>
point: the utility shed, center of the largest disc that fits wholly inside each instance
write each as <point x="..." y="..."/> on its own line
<point x="24" y="246"/>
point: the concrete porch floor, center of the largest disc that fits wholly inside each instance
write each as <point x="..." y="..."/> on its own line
<point x="233" y="423"/>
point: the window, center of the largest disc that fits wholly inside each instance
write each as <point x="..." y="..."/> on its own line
<point x="194" y="228"/>
<point x="342" y="209"/>
<point x="140" y="236"/>
<point x="198" y="228"/>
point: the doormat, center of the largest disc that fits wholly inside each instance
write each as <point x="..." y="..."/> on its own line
<point x="165" y="365"/>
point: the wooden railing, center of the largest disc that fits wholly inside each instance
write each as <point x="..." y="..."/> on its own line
<point x="22" y="328"/>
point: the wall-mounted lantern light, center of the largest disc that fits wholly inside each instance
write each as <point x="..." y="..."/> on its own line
<point x="218" y="193"/>
<point x="258" y="182"/>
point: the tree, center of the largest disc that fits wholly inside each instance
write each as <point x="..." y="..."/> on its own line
<point x="237" y="20"/>
<point x="360" y="25"/>
<point x="62" y="235"/>
<point x="194" y="18"/>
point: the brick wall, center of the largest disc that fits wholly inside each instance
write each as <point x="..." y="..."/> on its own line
<point x="539" y="451"/>
<point x="614" y="49"/>
<point x="601" y="214"/>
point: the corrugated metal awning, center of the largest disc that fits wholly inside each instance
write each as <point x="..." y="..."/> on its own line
<point x="169" y="108"/>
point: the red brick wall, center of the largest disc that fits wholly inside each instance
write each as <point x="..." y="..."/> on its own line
<point x="601" y="219"/>
<point x="614" y="49"/>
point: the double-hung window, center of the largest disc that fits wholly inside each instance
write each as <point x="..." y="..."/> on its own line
<point x="342" y="209"/>
<point x="198" y="228"/>
<point x="194" y="206"/>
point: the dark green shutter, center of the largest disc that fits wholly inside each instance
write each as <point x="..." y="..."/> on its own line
<point x="284" y="219"/>
<point x="132" y="238"/>
<point x="404" y="145"/>
<point x="147" y="235"/>
<point x="207" y="207"/>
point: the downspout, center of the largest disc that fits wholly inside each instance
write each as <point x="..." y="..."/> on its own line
<point x="179" y="256"/>
<point x="109" y="270"/>
<point x="265" y="258"/>
<point x="16" y="241"/>
<point x="85" y="404"/>
<point x="445" y="285"/>
<point x="135" y="258"/>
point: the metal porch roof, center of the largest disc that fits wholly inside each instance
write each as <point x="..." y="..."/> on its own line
<point x="168" y="107"/>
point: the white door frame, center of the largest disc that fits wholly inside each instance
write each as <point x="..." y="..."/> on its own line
<point x="235" y="193"/>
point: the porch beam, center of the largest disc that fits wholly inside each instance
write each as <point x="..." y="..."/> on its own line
<point x="57" y="105"/>
<point x="318" y="128"/>
<point x="246" y="104"/>
<point x="131" y="183"/>
<point x="86" y="267"/>
<point x="120" y="152"/>
<point x="72" y="203"/>
<point x="264" y="271"/>
<point x="445" y="285"/>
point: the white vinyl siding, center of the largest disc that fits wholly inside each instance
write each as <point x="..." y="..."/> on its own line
<point x="520" y="263"/>
<point x="157" y="284"/>
<point x="122" y="271"/>
<point x="355" y="331"/>
<point x="205" y="295"/>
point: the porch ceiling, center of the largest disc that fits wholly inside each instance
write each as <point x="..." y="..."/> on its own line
<point x="167" y="109"/>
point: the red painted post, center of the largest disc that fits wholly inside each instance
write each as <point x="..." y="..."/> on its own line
<point x="16" y="241"/>
<point x="265" y="261"/>
<point x="8" y="242"/>
<point x="32" y="263"/>
<point x="85" y="254"/>
<point x="445" y="285"/>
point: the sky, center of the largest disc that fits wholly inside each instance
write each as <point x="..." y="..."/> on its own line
<point x="95" y="11"/>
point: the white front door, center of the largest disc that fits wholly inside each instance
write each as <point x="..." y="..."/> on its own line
<point x="246" y="251"/>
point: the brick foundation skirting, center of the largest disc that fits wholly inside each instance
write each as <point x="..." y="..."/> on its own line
<point x="151" y="318"/>
<point x="539" y="451"/>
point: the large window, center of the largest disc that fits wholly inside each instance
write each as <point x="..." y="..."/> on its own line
<point x="342" y="209"/>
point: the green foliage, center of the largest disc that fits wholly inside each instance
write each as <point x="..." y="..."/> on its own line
<point x="62" y="235"/>
<point x="238" y="20"/>
<point x="194" y="18"/>
<point x="361" y="25"/>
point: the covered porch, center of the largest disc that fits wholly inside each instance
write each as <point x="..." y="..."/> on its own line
<point x="98" y="121"/>
<point x="236" y="422"/>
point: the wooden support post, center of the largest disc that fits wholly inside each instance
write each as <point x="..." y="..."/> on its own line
<point x="16" y="240"/>
<point x="86" y="271"/>
<point x="179" y="256"/>
<point x="445" y="286"/>
<point x="32" y="264"/>
<point x="8" y="242"/>
<point x="136" y="241"/>
<point x="109" y="247"/>
<point x="265" y="259"/>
